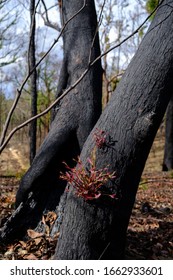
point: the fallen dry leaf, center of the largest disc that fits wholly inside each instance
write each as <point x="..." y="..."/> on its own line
<point x="30" y="257"/>
<point x="34" y="234"/>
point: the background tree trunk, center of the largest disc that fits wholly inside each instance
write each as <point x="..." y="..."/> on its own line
<point x="33" y="81"/>
<point x="77" y="113"/>
<point x="93" y="230"/>
<point x="168" y="153"/>
<point x="75" y="116"/>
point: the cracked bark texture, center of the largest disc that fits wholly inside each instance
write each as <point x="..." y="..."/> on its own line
<point x="97" y="230"/>
<point x="75" y="115"/>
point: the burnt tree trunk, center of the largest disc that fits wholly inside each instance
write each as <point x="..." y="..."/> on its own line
<point x="75" y="116"/>
<point x="33" y="80"/>
<point x="94" y="230"/>
<point x="168" y="152"/>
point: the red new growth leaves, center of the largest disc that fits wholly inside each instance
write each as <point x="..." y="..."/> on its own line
<point x="88" y="183"/>
<point x="100" y="138"/>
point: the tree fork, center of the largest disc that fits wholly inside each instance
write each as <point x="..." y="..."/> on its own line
<point x="75" y="116"/>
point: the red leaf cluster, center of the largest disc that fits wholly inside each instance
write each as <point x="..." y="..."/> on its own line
<point x="88" y="183"/>
<point x="100" y="138"/>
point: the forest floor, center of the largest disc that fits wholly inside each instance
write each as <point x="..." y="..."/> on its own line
<point x="150" y="232"/>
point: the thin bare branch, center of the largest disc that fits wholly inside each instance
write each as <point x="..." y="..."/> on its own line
<point x="127" y="38"/>
<point x="96" y="31"/>
<point x="3" y="143"/>
<point x="79" y="79"/>
<point x="46" y="19"/>
<point x="19" y="91"/>
<point x="45" y="111"/>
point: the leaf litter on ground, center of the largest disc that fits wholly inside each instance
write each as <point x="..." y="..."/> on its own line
<point x="150" y="231"/>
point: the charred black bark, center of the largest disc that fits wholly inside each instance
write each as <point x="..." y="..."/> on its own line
<point x="168" y="152"/>
<point x="77" y="113"/>
<point x="33" y="89"/>
<point x="75" y="116"/>
<point x="93" y="230"/>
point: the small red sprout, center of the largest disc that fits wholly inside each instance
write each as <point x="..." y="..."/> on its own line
<point x="103" y="140"/>
<point x="88" y="183"/>
<point x="100" y="138"/>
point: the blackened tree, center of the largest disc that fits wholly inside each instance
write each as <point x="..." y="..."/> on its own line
<point x="93" y="230"/>
<point x="33" y="81"/>
<point x="77" y="113"/>
<point x="168" y="151"/>
<point x="120" y="141"/>
<point x="74" y="118"/>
